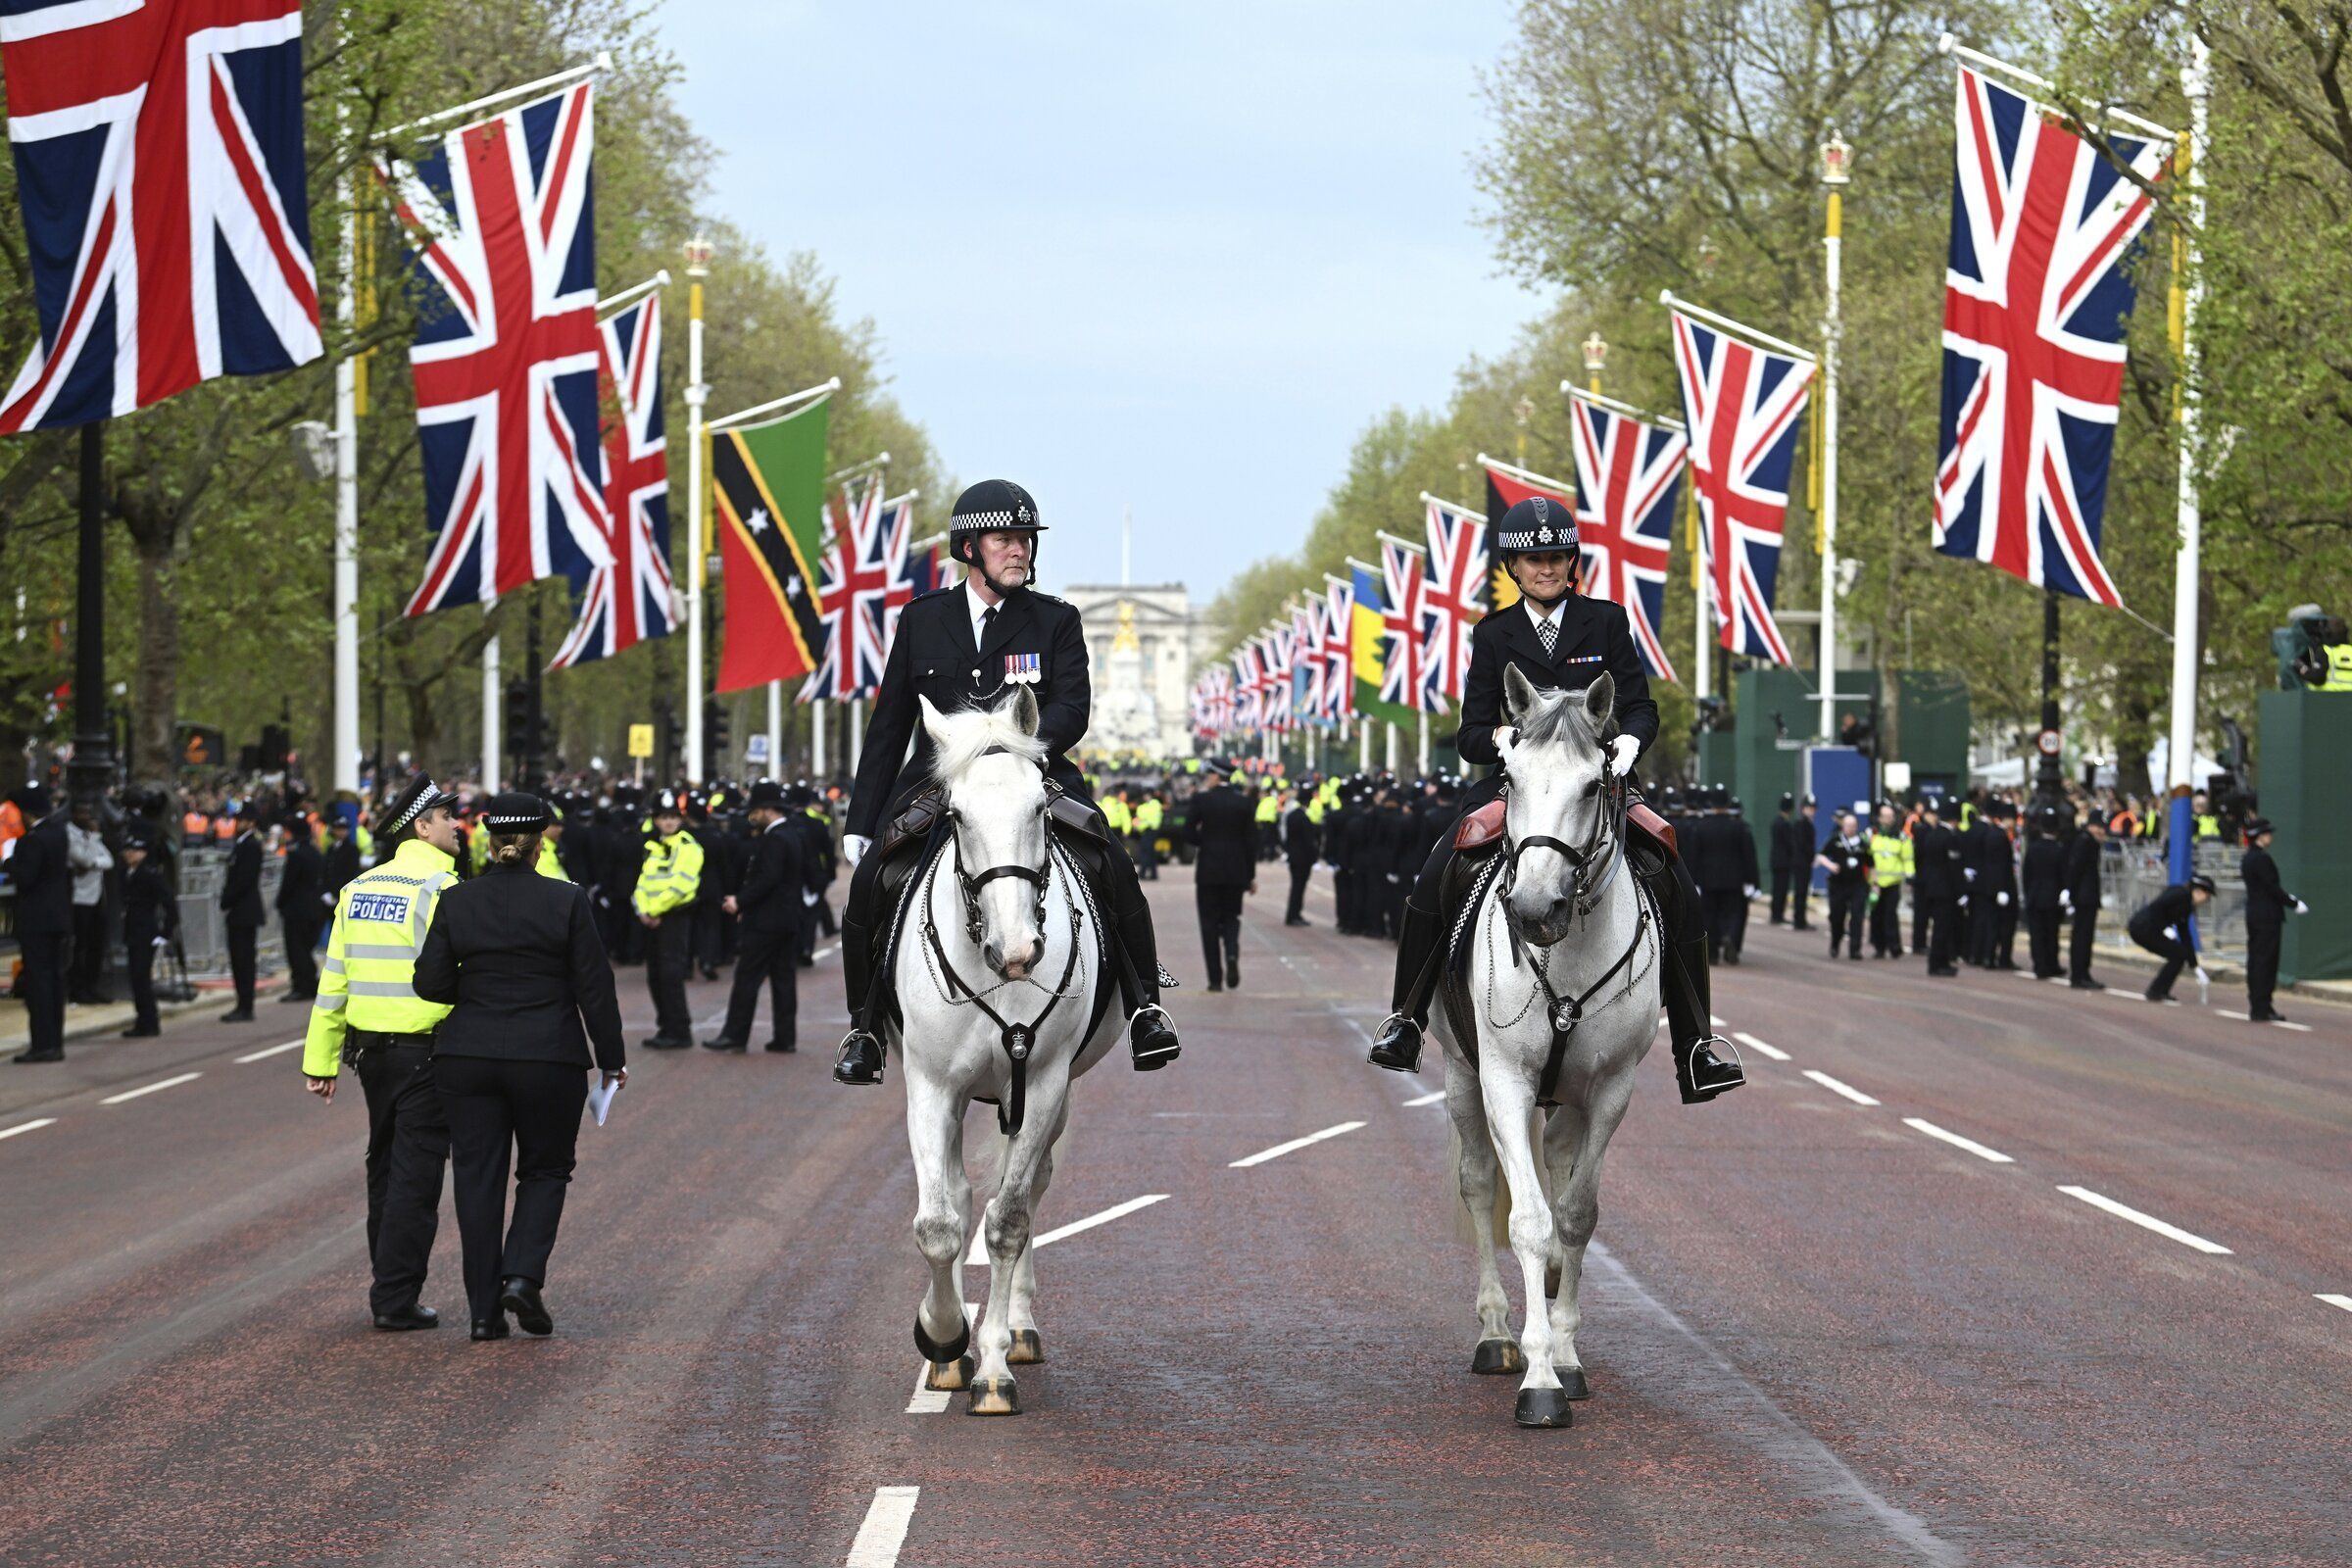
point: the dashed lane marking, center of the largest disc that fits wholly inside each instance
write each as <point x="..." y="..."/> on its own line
<point x="1775" y="1053"/>
<point x="1293" y="1147"/>
<point x="979" y="1251"/>
<point x="1958" y="1141"/>
<point x="884" y="1531"/>
<point x="2276" y="1023"/>
<point x="2332" y="1300"/>
<point x="2146" y="1221"/>
<point x="1835" y="1087"/>
<point x="149" y="1088"/>
<point x="1426" y="1100"/>
<point x="35" y="1125"/>
<point x="269" y="1050"/>
<point x="928" y="1400"/>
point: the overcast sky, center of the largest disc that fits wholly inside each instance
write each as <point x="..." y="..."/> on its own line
<point x="1166" y="255"/>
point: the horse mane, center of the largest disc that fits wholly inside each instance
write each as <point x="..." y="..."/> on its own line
<point x="1559" y="715"/>
<point x="961" y="739"/>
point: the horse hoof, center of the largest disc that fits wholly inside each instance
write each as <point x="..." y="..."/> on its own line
<point x="1551" y="1283"/>
<point x="1573" y="1384"/>
<point x="995" y="1396"/>
<point x="1026" y="1351"/>
<point x="943" y="1350"/>
<point x="1544" y="1407"/>
<point x="952" y="1375"/>
<point x="1494" y="1358"/>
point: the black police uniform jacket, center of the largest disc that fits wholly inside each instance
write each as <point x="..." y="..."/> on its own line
<point x="1594" y="639"/>
<point x="776" y="874"/>
<point x="933" y="655"/>
<point x="2266" y="901"/>
<point x="517" y="957"/>
<point x="1223" y="829"/>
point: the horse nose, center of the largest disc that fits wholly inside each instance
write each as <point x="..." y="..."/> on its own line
<point x="1013" y="961"/>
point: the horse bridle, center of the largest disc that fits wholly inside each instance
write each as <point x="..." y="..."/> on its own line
<point x="972" y="882"/>
<point x="1605" y="846"/>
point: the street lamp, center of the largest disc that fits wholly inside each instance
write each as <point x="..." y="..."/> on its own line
<point x="1836" y="170"/>
<point x="1597" y="355"/>
<point x="698" y="266"/>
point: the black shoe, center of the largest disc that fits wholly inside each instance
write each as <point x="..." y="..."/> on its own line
<point x="1152" y="1039"/>
<point x="1701" y="1074"/>
<point x="2087" y="985"/>
<point x="1233" y="974"/>
<point x="723" y="1043"/>
<point x="38" y="1056"/>
<point x="238" y="1016"/>
<point x="860" y="1059"/>
<point x="782" y="1048"/>
<point x="413" y="1317"/>
<point x="709" y="974"/>
<point x="142" y="1031"/>
<point x="1940" y="971"/>
<point x="522" y="1298"/>
<point x="2268" y="1015"/>
<point x="2159" y="996"/>
<point x="1216" y="988"/>
<point x="1397" y="1045"/>
<point x="490" y="1328"/>
<point x="296" y="996"/>
<point x="1288" y="922"/>
<point x="666" y="1042"/>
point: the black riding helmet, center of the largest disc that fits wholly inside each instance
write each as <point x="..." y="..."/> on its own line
<point x="991" y="506"/>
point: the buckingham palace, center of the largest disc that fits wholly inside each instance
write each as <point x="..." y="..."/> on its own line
<point x="1144" y="643"/>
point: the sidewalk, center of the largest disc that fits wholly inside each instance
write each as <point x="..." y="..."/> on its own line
<point x="84" y="1023"/>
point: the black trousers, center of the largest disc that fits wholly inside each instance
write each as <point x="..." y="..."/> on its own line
<point x="2041" y="941"/>
<point x="1800" y="896"/>
<point x="1220" y="911"/>
<point x="408" y="1144"/>
<point x="1936" y="914"/>
<point x="1887" y="921"/>
<point x="42" y="985"/>
<point x="2174" y="953"/>
<point x="520" y="1113"/>
<point x="1849" y="911"/>
<point x="668" y="953"/>
<point x="302" y="960"/>
<point x="1780" y="878"/>
<point x="87" y="980"/>
<point x="1146" y="855"/>
<point x="2262" y="965"/>
<point x="1301" y="870"/>
<point x="2004" y="933"/>
<point x="766" y="961"/>
<point x="242" y="940"/>
<point x="709" y="937"/>
<point x="138" y="967"/>
<point x="1727" y="922"/>
<point x="2085" y="931"/>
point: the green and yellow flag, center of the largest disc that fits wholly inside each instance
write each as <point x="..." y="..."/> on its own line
<point x="769" y="483"/>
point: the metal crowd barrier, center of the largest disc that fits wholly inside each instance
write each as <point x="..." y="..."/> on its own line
<point x="204" y="930"/>
<point x="2133" y="872"/>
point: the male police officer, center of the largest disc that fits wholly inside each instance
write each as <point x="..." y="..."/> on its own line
<point x="366" y="999"/>
<point x="1559" y="638"/>
<point x="966" y="647"/>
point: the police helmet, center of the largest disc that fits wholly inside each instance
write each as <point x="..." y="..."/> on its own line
<point x="989" y="507"/>
<point x="1532" y="526"/>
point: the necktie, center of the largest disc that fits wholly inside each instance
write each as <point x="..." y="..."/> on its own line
<point x="986" y="616"/>
<point x="1550" y="635"/>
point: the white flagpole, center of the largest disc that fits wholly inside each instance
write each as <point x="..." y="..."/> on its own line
<point x="1422" y="749"/>
<point x="857" y="732"/>
<point x="491" y="698"/>
<point x="2180" y="762"/>
<point x="1833" y="244"/>
<point x="347" y="516"/>
<point x="698" y="267"/>
<point x="817" y="736"/>
<point x="775" y="731"/>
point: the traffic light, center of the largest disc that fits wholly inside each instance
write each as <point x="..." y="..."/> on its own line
<point x="673" y="743"/>
<point x="717" y="733"/>
<point x="518" y="714"/>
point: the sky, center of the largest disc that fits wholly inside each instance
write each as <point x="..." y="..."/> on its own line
<point x="1172" y="257"/>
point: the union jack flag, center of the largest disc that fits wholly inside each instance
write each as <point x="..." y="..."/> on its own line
<point x="160" y="168"/>
<point x="881" y="552"/>
<point x="1628" y="479"/>
<point x="1306" y="660"/>
<point x="1453" y="597"/>
<point x="2037" y="299"/>
<point x="1249" y="685"/>
<point x="1743" y="405"/>
<point x="501" y="226"/>
<point x="635" y="597"/>
<point x="1404" y="672"/>
<point x="1274" y="673"/>
<point x="860" y="582"/>
<point x="1339" y="648"/>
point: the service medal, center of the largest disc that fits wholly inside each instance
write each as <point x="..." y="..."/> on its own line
<point x="1023" y="669"/>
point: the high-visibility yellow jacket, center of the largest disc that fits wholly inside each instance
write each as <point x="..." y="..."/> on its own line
<point x="550" y="863"/>
<point x="368" y="979"/>
<point x="2339" y="668"/>
<point x="1149" y="815"/>
<point x="671" y="876"/>
<point x="1890" y="858"/>
<point x="1269" y="807"/>
<point x="477" y="843"/>
<point x="1115" y="812"/>
<point x="2206" y="825"/>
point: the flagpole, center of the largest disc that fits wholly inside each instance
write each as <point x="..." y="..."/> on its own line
<point x="804" y="395"/>
<point x="1702" y="678"/>
<point x="347" y="520"/>
<point x="1835" y="155"/>
<point x="856" y="732"/>
<point x="817" y="738"/>
<point x="1615" y="405"/>
<point x="698" y="267"/>
<point x="775" y="731"/>
<point x="602" y="62"/>
<point x="2181" y="760"/>
<point x="491" y="696"/>
<point x="629" y="296"/>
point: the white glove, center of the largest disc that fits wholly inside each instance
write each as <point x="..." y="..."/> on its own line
<point x="2066" y="900"/>
<point x="163" y="942"/>
<point x="2001" y="899"/>
<point x="808" y="900"/>
<point x="2203" y="978"/>
<point x="2301" y="908"/>
<point x="854" y="847"/>
<point x="1751" y="890"/>
<point x="1969" y="871"/>
<point x="1623" y="752"/>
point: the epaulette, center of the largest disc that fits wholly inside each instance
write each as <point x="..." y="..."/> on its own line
<point x="934" y="593"/>
<point x="1050" y="598"/>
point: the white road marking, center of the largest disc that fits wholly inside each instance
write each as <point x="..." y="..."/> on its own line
<point x="821" y="954"/>
<point x="1758" y="1045"/>
<point x="885" y="1529"/>
<point x="269" y="1050"/>
<point x="1713" y="1022"/>
<point x="28" y="1126"/>
<point x="1426" y="1100"/>
<point x="2147" y="1221"/>
<point x="1837" y="1087"/>
<point x="929" y="1401"/>
<point x="1958" y="1141"/>
<point x="2283" y="1023"/>
<point x="149" y="1088"/>
<point x="979" y="1251"/>
<point x="2332" y="1300"/>
<point x="1293" y="1147"/>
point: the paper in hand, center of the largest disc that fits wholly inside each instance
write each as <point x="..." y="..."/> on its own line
<point x="599" y="1097"/>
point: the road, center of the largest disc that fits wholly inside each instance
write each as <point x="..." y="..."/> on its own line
<point x="1825" y="1324"/>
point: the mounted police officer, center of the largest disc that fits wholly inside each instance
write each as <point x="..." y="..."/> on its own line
<point x="1559" y="638"/>
<point x="966" y="646"/>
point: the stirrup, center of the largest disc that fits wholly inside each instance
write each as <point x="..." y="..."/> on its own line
<point x="862" y="1059"/>
<point x="1719" y="1077"/>
<point x="1397" y="1047"/>
<point x="1151" y="1058"/>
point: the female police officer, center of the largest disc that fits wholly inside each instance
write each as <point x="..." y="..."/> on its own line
<point x="1558" y="638"/>
<point x="517" y="957"/>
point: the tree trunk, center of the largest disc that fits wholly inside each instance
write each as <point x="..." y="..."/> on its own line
<point x="155" y="683"/>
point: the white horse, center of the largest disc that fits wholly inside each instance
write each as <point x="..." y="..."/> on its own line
<point x="997" y="959"/>
<point x="1561" y="935"/>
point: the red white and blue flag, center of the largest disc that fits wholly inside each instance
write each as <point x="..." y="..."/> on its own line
<point x="1339" y="648"/>
<point x="159" y="162"/>
<point x="1628" y="480"/>
<point x="1404" y="672"/>
<point x="879" y="586"/>
<point x="1743" y="405"/>
<point x="635" y="597"/>
<point x="1248" y="686"/>
<point x="2036" y="300"/>
<point x="1307" y="631"/>
<point x="836" y="673"/>
<point x="1453" y="595"/>
<point x="502" y="230"/>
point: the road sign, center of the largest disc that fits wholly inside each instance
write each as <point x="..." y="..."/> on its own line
<point x="641" y="740"/>
<point x="2050" y="742"/>
<point x="201" y="746"/>
<point x="755" y="750"/>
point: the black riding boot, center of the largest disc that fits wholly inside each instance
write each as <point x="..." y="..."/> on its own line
<point x="1699" y="1071"/>
<point x="860" y="915"/>
<point x="1397" y="1045"/>
<point x="1150" y="1036"/>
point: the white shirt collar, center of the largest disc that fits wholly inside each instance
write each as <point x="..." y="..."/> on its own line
<point x="1539" y="616"/>
<point x="973" y="608"/>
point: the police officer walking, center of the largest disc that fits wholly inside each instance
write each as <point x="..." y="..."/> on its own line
<point x="2268" y="905"/>
<point x="2080" y="899"/>
<point x="770" y="915"/>
<point x="302" y="906"/>
<point x="1302" y="843"/>
<point x="1846" y="857"/>
<point x="241" y="911"/>
<point x="668" y="887"/>
<point x="367" y="1010"/>
<point x="1223" y="829"/>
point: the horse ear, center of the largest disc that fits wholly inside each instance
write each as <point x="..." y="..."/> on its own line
<point x="932" y="718"/>
<point x="1024" y="711"/>
<point x="1518" y="694"/>
<point x="1600" y="702"/>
